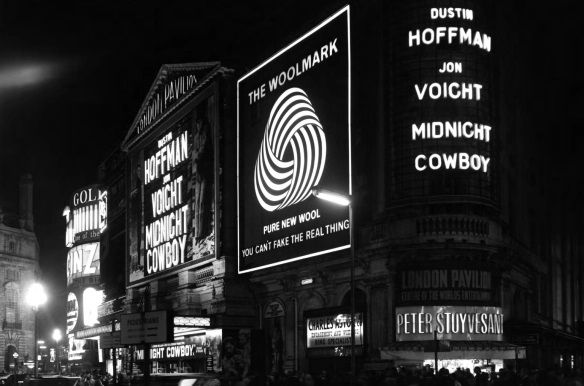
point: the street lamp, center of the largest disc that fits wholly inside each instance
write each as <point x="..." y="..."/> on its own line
<point x="57" y="337"/>
<point x="343" y="200"/>
<point x="15" y="356"/>
<point x="35" y="297"/>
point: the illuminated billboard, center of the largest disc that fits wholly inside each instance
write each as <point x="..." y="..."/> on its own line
<point x="450" y="323"/>
<point x="92" y="298"/>
<point x="72" y="312"/>
<point x="333" y="331"/>
<point x="442" y="104"/>
<point x="294" y="135"/>
<point x="82" y="261"/>
<point x="86" y="216"/>
<point x="166" y="209"/>
<point x="171" y="207"/>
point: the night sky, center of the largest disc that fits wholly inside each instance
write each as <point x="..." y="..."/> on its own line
<point x="73" y="75"/>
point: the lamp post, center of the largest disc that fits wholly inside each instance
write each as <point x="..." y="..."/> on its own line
<point x="343" y="200"/>
<point x="15" y="356"/>
<point x="57" y="337"/>
<point x="35" y="297"/>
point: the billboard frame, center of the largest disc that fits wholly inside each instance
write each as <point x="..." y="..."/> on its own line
<point x="343" y="10"/>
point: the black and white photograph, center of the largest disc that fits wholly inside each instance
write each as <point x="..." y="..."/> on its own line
<point x="291" y="193"/>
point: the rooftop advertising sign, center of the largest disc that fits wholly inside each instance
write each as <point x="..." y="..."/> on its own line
<point x="294" y="135"/>
<point x="450" y="323"/>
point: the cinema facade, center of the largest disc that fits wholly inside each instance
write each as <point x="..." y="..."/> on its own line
<point x="231" y="256"/>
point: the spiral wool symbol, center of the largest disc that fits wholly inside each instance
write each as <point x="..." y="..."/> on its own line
<point x="293" y="131"/>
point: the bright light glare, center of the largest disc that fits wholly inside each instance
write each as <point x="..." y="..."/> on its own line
<point x="335" y="198"/>
<point x="57" y="335"/>
<point x="36" y="295"/>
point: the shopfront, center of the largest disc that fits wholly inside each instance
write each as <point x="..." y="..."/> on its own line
<point x="450" y="314"/>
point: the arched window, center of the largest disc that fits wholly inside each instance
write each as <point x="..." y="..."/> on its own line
<point x="360" y="300"/>
<point x="12" y="310"/>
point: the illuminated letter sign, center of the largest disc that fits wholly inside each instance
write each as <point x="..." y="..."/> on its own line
<point x="82" y="261"/>
<point x="167" y="220"/>
<point x="450" y="323"/>
<point x="443" y="106"/>
<point x="333" y="331"/>
<point x="294" y="135"/>
<point x="85" y="216"/>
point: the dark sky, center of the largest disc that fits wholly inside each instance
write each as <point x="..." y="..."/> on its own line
<point x="74" y="73"/>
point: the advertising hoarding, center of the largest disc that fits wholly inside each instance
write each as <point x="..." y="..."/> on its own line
<point x="294" y="135"/>
<point x="172" y="210"/>
<point x="333" y="331"/>
<point x="415" y="323"/>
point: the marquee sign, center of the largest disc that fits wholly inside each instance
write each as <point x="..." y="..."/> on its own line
<point x="294" y="135"/>
<point x="333" y="331"/>
<point x="450" y="323"/>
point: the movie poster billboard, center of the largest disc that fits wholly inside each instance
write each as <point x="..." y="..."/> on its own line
<point x="294" y="136"/>
<point x="171" y="209"/>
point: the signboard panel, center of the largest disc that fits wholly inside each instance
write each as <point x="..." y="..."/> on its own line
<point x="437" y="285"/>
<point x="450" y="322"/>
<point x="85" y="216"/>
<point x="294" y="135"/>
<point x="333" y="331"/>
<point x="83" y="261"/>
<point x="112" y="340"/>
<point x="148" y="327"/>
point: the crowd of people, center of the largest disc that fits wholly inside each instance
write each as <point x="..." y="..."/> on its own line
<point x="426" y="377"/>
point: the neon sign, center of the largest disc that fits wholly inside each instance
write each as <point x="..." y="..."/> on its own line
<point x="449" y="322"/>
<point x="461" y="142"/>
<point x="86" y="216"/>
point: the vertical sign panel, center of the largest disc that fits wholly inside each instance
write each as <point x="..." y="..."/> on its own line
<point x="293" y="136"/>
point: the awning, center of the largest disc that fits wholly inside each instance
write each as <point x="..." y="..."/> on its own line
<point x="418" y="351"/>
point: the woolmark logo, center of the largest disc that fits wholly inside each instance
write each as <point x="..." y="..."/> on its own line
<point x="293" y="130"/>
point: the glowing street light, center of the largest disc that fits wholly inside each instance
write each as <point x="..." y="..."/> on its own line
<point x="335" y="198"/>
<point x="343" y="200"/>
<point x="57" y="337"/>
<point x="35" y="297"/>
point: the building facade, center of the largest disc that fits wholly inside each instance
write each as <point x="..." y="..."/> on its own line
<point x="462" y="249"/>
<point x="19" y="268"/>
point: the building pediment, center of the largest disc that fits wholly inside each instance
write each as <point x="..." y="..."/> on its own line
<point x="173" y="85"/>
